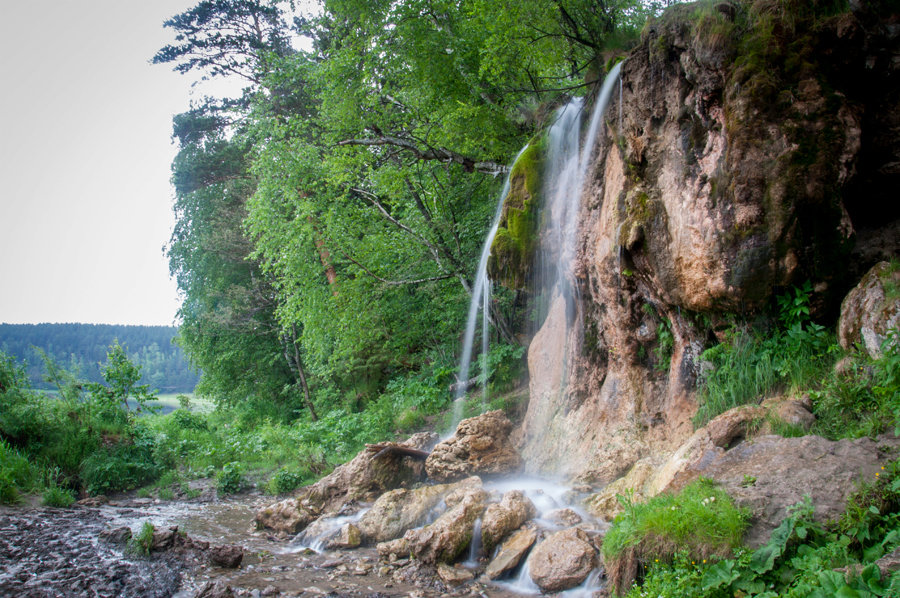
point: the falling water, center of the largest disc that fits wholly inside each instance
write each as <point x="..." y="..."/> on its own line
<point x="480" y="297"/>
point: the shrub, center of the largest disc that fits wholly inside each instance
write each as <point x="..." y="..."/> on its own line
<point x="54" y="496"/>
<point x="230" y="480"/>
<point x="701" y="520"/>
<point x="284" y="481"/>
<point x="120" y="466"/>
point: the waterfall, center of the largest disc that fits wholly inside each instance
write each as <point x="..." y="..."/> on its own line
<point x="480" y="298"/>
<point x="565" y="170"/>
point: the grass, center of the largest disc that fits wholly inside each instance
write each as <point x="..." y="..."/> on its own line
<point x="701" y="521"/>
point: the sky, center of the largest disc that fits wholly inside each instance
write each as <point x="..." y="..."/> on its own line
<point x="85" y="155"/>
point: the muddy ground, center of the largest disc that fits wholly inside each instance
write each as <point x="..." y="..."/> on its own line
<point x="48" y="552"/>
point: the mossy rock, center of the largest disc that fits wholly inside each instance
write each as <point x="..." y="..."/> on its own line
<point x="517" y="234"/>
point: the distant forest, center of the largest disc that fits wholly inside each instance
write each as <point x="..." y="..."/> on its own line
<point x="81" y="348"/>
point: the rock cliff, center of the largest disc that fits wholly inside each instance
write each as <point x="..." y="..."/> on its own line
<point x="745" y="153"/>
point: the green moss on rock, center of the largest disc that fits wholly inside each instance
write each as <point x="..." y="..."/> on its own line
<point x="516" y="238"/>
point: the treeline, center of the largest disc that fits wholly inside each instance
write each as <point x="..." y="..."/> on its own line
<point x="81" y="348"/>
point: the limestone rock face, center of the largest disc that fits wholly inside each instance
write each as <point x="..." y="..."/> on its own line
<point x="709" y="194"/>
<point x="511" y="553"/>
<point x="481" y="445"/>
<point x="361" y="479"/>
<point x="769" y="473"/>
<point x="450" y="534"/>
<point x="605" y="503"/>
<point x="869" y="312"/>
<point x="509" y="514"/>
<point x="399" y="510"/>
<point x="562" y="561"/>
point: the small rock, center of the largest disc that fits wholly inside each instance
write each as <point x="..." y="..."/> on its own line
<point x="214" y="590"/>
<point x="331" y="564"/>
<point x="118" y="535"/>
<point x="270" y="591"/>
<point x="564" y="517"/>
<point x="348" y="537"/>
<point x="228" y="556"/>
<point x="454" y="575"/>
<point x="93" y="501"/>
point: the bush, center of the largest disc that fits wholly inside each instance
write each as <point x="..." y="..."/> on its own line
<point x="230" y="480"/>
<point x="54" y="496"/>
<point x="284" y="481"/>
<point x="701" y="520"/>
<point x="120" y="466"/>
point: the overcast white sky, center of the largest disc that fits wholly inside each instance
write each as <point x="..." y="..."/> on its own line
<point x="85" y="150"/>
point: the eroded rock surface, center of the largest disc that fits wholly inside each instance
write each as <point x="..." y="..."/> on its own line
<point x="450" y="534"/>
<point x="402" y="509"/>
<point x="481" y="445"/>
<point x="511" y="553"/>
<point x="363" y="479"/>
<point x="562" y="561"/>
<point x="869" y="312"/>
<point x="769" y="473"/>
<point x="501" y="518"/>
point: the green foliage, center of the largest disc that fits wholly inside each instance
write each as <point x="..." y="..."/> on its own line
<point x="54" y="496"/>
<point x="665" y="343"/>
<point x="284" y="481"/>
<point x="120" y="466"/>
<point x="141" y="543"/>
<point x="701" y="520"/>
<point x="801" y="556"/>
<point x="230" y="480"/>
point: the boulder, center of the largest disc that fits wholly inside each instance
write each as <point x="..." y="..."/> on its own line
<point x="400" y="510"/>
<point x="450" y="534"/>
<point x="563" y="517"/>
<point x="767" y="474"/>
<point x="501" y="518"/>
<point x="117" y="535"/>
<point x="869" y="311"/>
<point x="362" y="479"/>
<point x="562" y="561"/>
<point x="226" y="555"/>
<point x="481" y="445"/>
<point x="511" y="553"/>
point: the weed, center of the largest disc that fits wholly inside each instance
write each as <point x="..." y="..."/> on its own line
<point x="143" y="541"/>
<point x="284" y="481"/>
<point x="54" y="496"/>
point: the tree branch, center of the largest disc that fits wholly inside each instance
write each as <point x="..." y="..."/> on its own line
<point x="440" y="154"/>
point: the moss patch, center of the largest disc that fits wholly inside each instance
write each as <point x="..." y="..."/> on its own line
<point x="516" y="239"/>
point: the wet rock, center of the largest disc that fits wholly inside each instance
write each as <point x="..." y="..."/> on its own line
<point x="290" y="516"/>
<point x="400" y="510"/>
<point x="228" y="556"/>
<point x="163" y="539"/>
<point x="511" y="553"/>
<point x="393" y="550"/>
<point x="564" y="517"/>
<point x="93" y="501"/>
<point x="118" y="535"/>
<point x="481" y="445"/>
<point x="784" y="470"/>
<point x="454" y="576"/>
<point x="605" y="504"/>
<point x="348" y="537"/>
<point x="868" y="312"/>
<point x="360" y="480"/>
<point x="501" y="518"/>
<point x="450" y="534"/>
<point x="562" y="561"/>
<point x="215" y="589"/>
